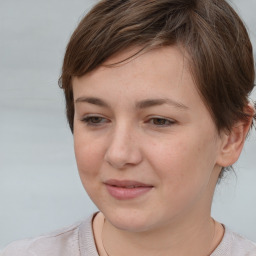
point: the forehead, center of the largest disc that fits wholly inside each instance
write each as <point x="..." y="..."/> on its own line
<point x="136" y="55"/>
<point x="166" y="63"/>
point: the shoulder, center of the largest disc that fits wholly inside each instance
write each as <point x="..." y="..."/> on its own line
<point x="234" y="244"/>
<point x="63" y="242"/>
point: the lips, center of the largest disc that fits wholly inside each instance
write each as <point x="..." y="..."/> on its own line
<point x="126" y="189"/>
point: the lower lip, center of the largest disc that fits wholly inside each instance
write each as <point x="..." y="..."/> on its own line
<point x="121" y="193"/>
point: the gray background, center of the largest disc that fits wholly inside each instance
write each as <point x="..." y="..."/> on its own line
<point x="39" y="185"/>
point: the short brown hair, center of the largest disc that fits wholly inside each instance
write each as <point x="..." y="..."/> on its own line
<point x="210" y="31"/>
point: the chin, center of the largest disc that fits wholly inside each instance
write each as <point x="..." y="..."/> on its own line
<point x="129" y="226"/>
<point x="129" y="220"/>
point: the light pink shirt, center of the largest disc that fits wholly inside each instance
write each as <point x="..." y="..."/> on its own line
<point x="78" y="240"/>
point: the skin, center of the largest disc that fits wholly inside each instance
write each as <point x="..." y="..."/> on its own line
<point x="173" y="146"/>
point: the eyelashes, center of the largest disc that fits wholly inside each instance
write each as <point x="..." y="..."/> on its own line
<point x="159" y="121"/>
<point x="94" y="120"/>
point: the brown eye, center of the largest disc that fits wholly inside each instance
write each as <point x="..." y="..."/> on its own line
<point x="94" y="120"/>
<point x="161" y="121"/>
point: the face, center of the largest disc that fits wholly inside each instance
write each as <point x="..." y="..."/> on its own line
<point x="146" y="146"/>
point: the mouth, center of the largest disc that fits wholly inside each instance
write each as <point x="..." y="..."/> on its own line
<point x="126" y="189"/>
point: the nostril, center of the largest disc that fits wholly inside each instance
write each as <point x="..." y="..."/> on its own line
<point x="123" y="150"/>
<point x="120" y="157"/>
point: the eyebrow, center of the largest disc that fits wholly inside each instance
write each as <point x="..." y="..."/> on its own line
<point x="92" y="100"/>
<point x="157" y="102"/>
<point x="140" y="105"/>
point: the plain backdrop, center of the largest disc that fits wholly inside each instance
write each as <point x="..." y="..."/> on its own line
<point x="40" y="189"/>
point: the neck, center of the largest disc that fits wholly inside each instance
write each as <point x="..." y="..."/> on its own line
<point x="194" y="239"/>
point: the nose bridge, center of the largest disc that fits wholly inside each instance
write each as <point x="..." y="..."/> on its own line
<point x="123" y="148"/>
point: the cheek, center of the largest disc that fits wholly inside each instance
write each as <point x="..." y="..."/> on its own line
<point x="184" y="161"/>
<point x="88" y="157"/>
<point x="184" y="170"/>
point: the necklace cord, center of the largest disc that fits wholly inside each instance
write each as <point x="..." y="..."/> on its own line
<point x="213" y="237"/>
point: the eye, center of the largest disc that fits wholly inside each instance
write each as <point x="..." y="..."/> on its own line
<point x="94" y="120"/>
<point x="159" y="121"/>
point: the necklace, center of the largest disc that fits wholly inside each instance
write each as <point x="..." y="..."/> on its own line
<point x="213" y="237"/>
<point x="209" y="251"/>
<point x="105" y="251"/>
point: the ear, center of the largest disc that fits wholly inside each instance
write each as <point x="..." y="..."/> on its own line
<point x="233" y="141"/>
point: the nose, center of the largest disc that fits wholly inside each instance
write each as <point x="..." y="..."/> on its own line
<point x="123" y="148"/>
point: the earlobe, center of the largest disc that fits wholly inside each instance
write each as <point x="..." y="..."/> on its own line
<point x="233" y="142"/>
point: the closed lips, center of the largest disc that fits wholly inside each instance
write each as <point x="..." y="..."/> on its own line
<point x="126" y="184"/>
<point x="127" y="189"/>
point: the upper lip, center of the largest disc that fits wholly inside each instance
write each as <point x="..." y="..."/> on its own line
<point x="126" y="183"/>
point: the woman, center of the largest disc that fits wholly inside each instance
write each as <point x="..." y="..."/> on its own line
<point x="157" y="99"/>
